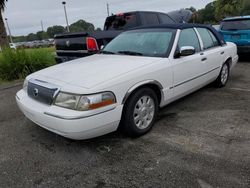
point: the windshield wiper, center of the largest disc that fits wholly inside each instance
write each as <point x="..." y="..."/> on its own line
<point x="106" y="52"/>
<point x="130" y="53"/>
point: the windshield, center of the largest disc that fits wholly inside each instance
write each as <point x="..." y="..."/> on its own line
<point x="150" y="42"/>
<point x="243" y="24"/>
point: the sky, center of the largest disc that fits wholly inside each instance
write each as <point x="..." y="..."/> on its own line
<point x="25" y="16"/>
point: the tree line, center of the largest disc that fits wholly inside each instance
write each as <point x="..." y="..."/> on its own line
<point x="78" y="26"/>
<point x="214" y="12"/>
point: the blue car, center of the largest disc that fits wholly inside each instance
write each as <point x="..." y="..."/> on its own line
<point x="237" y="30"/>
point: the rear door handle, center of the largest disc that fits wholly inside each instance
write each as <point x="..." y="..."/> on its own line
<point x="204" y="59"/>
<point x="222" y="53"/>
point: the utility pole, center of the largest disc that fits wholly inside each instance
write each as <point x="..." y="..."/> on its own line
<point x="7" y="24"/>
<point x="42" y="26"/>
<point x="66" y="15"/>
<point x="108" y="9"/>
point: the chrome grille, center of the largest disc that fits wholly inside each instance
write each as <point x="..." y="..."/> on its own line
<point x="42" y="91"/>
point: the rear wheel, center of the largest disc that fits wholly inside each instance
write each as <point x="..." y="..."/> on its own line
<point x="222" y="79"/>
<point x="139" y="112"/>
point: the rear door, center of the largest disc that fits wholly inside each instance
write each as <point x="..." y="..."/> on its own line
<point x="212" y="52"/>
<point x="188" y="70"/>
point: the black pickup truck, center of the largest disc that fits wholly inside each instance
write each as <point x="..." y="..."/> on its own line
<point x="75" y="45"/>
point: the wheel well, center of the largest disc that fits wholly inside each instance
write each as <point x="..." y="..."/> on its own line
<point x="154" y="87"/>
<point x="229" y="61"/>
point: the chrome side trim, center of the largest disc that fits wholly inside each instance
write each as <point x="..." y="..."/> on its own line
<point x="195" y="78"/>
<point x="76" y="117"/>
<point x="154" y="82"/>
<point x="17" y="98"/>
<point x="72" y="51"/>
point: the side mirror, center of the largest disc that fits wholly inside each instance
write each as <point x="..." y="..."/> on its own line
<point x="187" y="50"/>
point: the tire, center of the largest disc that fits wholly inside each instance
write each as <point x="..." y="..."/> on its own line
<point x="222" y="79"/>
<point x="139" y="113"/>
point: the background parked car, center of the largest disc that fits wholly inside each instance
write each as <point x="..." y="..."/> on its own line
<point x="13" y="46"/>
<point x="237" y="30"/>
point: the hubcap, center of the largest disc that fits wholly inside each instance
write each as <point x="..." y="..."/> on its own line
<point x="144" y="112"/>
<point x="224" y="74"/>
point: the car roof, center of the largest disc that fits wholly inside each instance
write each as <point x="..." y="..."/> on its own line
<point x="174" y="26"/>
<point x="237" y="18"/>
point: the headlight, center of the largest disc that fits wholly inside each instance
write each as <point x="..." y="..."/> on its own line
<point x="85" y="102"/>
<point x="25" y="85"/>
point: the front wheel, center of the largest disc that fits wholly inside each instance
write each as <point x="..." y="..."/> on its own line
<point x="222" y="79"/>
<point x="139" y="112"/>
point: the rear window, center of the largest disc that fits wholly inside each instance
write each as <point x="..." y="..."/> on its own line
<point x="165" y="19"/>
<point x="150" y="19"/>
<point x="242" y="24"/>
<point x="121" y="22"/>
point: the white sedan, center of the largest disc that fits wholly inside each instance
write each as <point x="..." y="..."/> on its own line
<point x="124" y="86"/>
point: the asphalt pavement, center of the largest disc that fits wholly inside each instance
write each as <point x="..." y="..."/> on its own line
<point x="202" y="140"/>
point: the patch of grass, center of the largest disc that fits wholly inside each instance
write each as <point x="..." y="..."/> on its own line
<point x="17" y="64"/>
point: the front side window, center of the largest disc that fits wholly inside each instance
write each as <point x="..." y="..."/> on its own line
<point x="188" y="37"/>
<point x="206" y="38"/>
<point x="149" y="42"/>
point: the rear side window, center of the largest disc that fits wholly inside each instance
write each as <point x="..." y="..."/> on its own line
<point x="215" y="40"/>
<point x="206" y="38"/>
<point x="165" y="18"/>
<point x="188" y="37"/>
<point x="151" y="18"/>
<point x="121" y="22"/>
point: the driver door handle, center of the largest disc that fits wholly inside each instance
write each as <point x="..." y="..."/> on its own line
<point x="204" y="59"/>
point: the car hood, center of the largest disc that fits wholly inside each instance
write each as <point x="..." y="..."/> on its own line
<point x="91" y="71"/>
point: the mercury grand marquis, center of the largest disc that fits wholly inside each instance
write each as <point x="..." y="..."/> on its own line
<point x="123" y="87"/>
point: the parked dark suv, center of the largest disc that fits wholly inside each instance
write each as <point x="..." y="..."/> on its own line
<point x="74" y="45"/>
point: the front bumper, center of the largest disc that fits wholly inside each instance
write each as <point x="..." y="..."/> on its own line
<point x="71" y="125"/>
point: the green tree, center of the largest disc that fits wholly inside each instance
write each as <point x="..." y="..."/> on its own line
<point x="31" y="37"/>
<point x="246" y="8"/>
<point x="81" y="25"/>
<point x="226" y="8"/>
<point x="19" y="38"/>
<point x="57" y="29"/>
<point x="207" y="15"/>
<point x="42" y="35"/>
<point x="3" y="35"/>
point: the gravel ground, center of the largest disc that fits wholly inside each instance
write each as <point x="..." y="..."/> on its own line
<point x="202" y="140"/>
